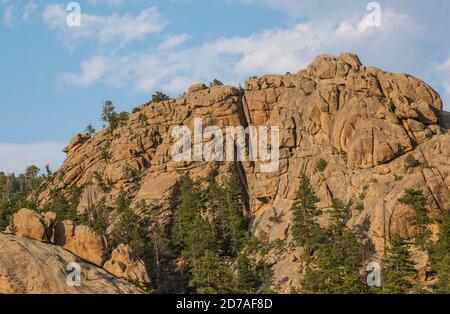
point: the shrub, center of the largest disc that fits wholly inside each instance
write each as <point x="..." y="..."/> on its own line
<point x="411" y="162"/>
<point x="143" y="117"/>
<point x="321" y="165"/>
<point x="90" y="130"/>
<point x="159" y="96"/>
<point x="215" y="82"/>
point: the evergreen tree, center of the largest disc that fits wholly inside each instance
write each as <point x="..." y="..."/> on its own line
<point x="339" y="258"/>
<point x="397" y="268"/>
<point x="419" y="220"/>
<point x="246" y="280"/>
<point x="159" y="96"/>
<point x="215" y="82"/>
<point x="440" y="255"/>
<point x="209" y="275"/>
<point x="234" y="212"/>
<point x="130" y="228"/>
<point x="109" y="114"/>
<point x="192" y="235"/>
<point x="65" y="206"/>
<point x="305" y="230"/>
<point x="227" y="209"/>
<point x="90" y="130"/>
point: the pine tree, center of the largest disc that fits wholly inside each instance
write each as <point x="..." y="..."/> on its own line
<point x="90" y="130"/>
<point x="109" y="114"/>
<point x="192" y="235"/>
<point x="440" y="255"/>
<point x="209" y="275"/>
<point x="419" y="220"/>
<point x="130" y="228"/>
<point x="234" y="211"/>
<point x="227" y="209"/>
<point x="397" y="268"/>
<point x="189" y="208"/>
<point x="339" y="257"/>
<point x="247" y="281"/>
<point x="305" y="230"/>
<point x="159" y="96"/>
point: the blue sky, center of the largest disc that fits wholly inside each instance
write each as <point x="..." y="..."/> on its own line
<point x="54" y="78"/>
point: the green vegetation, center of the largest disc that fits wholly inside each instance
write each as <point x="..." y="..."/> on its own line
<point x="411" y="162"/>
<point x="334" y="255"/>
<point x="206" y="246"/>
<point x="339" y="257"/>
<point x="440" y="255"/>
<point x="397" y="268"/>
<point x="209" y="232"/>
<point x="65" y="206"/>
<point x="419" y="219"/>
<point x="14" y="192"/>
<point x="90" y="130"/>
<point x="215" y="82"/>
<point x="321" y="165"/>
<point x="159" y="96"/>
<point x="305" y="230"/>
<point x="143" y="118"/>
<point x="110" y="116"/>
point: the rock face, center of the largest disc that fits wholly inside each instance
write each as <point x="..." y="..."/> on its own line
<point x="123" y="264"/>
<point x="361" y="120"/>
<point x="81" y="241"/>
<point x="28" y="224"/>
<point x="32" y="267"/>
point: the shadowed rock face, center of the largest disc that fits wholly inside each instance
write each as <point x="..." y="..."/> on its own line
<point x="361" y="120"/>
<point x="33" y="267"/>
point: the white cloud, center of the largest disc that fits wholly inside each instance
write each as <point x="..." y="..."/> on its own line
<point x="235" y="59"/>
<point x="174" y="41"/>
<point x="16" y="157"/>
<point x="107" y="2"/>
<point x="28" y="10"/>
<point x="92" y="70"/>
<point x="112" y="29"/>
<point x="8" y="16"/>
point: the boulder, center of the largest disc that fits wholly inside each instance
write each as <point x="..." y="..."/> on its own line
<point x="197" y="87"/>
<point x="76" y="142"/>
<point x="33" y="267"/>
<point x="124" y="264"/>
<point x="81" y="241"/>
<point x="28" y="224"/>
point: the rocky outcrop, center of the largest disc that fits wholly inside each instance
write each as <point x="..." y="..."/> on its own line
<point x="361" y="120"/>
<point x="33" y="267"/>
<point x="81" y="241"/>
<point x="124" y="264"/>
<point x="28" y="224"/>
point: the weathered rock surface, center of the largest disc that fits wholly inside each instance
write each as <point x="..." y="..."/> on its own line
<point x="124" y="264"/>
<point x="33" y="267"/>
<point x="28" y="224"/>
<point x="81" y="241"/>
<point x="361" y="120"/>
